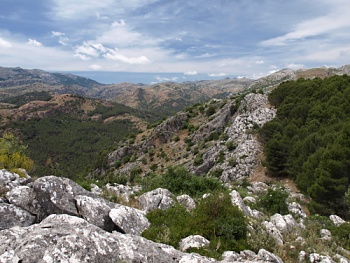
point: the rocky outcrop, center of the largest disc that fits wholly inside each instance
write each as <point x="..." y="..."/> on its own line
<point x="57" y="195"/>
<point x="195" y="241"/>
<point x="10" y="180"/>
<point x="64" y="238"/>
<point x="186" y="201"/>
<point x="156" y="199"/>
<point x="249" y="256"/>
<point x="129" y="220"/>
<point x="337" y="220"/>
<point x="11" y="215"/>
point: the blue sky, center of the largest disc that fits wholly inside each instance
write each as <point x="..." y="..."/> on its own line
<point x="219" y="38"/>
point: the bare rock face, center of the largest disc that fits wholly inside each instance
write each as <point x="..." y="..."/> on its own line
<point x="237" y="200"/>
<point x="285" y="224"/>
<point x="195" y="241"/>
<point x="10" y="180"/>
<point x="96" y="211"/>
<point x="11" y="215"/>
<point x="129" y="220"/>
<point x="337" y="220"/>
<point x="64" y="238"/>
<point x="56" y="195"/>
<point x="250" y="257"/>
<point x="25" y="198"/>
<point x="186" y="201"/>
<point x="156" y="199"/>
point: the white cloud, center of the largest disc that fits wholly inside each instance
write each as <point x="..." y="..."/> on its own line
<point x="118" y="23"/>
<point x="217" y="75"/>
<point x="4" y="43"/>
<point x="162" y="79"/>
<point x="62" y="39"/>
<point x="33" y="42"/>
<point x="295" y="66"/>
<point x="259" y="62"/>
<point x="95" y="67"/>
<point x="191" y="73"/>
<point x="81" y="9"/>
<point x="57" y="34"/>
<point x="337" y="19"/>
<point x="82" y="57"/>
<point x="273" y="71"/>
<point x="115" y="55"/>
<point x="88" y="50"/>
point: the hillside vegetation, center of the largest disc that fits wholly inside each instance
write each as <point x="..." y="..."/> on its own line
<point x="309" y="140"/>
<point x="67" y="134"/>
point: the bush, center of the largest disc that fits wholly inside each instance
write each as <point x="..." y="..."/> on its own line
<point x="210" y="111"/>
<point x="12" y="154"/>
<point x="274" y="201"/>
<point x="179" y="180"/>
<point x="214" y="218"/>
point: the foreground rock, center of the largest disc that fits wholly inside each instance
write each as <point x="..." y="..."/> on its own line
<point x="195" y="241"/>
<point x="129" y="220"/>
<point x="11" y="215"/>
<point x="156" y="199"/>
<point x="64" y="238"/>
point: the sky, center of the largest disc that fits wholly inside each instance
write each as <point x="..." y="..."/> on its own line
<point x="217" y="38"/>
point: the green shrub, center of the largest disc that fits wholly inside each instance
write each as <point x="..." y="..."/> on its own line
<point x="342" y="235"/>
<point x="275" y="201"/>
<point x="179" y="180"/>
<point x="214" y="218"/>
<point x="210" y="111"/>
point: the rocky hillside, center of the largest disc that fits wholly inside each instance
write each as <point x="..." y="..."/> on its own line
<point x="65" y="132"/>
<point x="11" y="77"/>
<point x="216" y="138"/>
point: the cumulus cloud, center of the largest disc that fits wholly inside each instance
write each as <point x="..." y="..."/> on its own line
<point x="118" y="23"/>
<point x="191" y="73"/>
<point x="163" y="79"/>
<point x="337" y="19"/>
<point x="62" y="39"/>
<point x="33" y="42"/>
<point x="87" y="50"/>
<point x="217" y="75"/>
<point x="115" y="55"/>
<point x="4" y="43"/>
<point x="295" y="66"/>
<point x="95" y="67"/>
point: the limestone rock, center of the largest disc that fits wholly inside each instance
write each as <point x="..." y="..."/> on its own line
<point x="194" y="241"/>
<point x="25" y="198"/>
<point x="129" y="220"/>
<point x="96" y="211"/>
<point x="258" y="188"/>
<point x="296" y="209"/>
<point x="237" y="200"/>
<point x="285" y="223"/>
<point x="56" y="195"/>
<point x="95" y="189"/>
<point x="315" y="257"/>
<point x="268" y="256"/>
<point x="250" y="257"/>
<point x="123" y="191"/>
<point x="156" y="199"/>
<point x="337" y="220"/>
<point x="64" y="238"/>
<point x="10" y="180"/>
<point x="186" y="201"/>
<point x="326" y="234"/>
<point x="273" y="231"/>
<point x="11" y="215"/>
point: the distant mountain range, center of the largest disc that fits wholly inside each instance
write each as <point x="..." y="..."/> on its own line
<point x="163" y="99"/>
